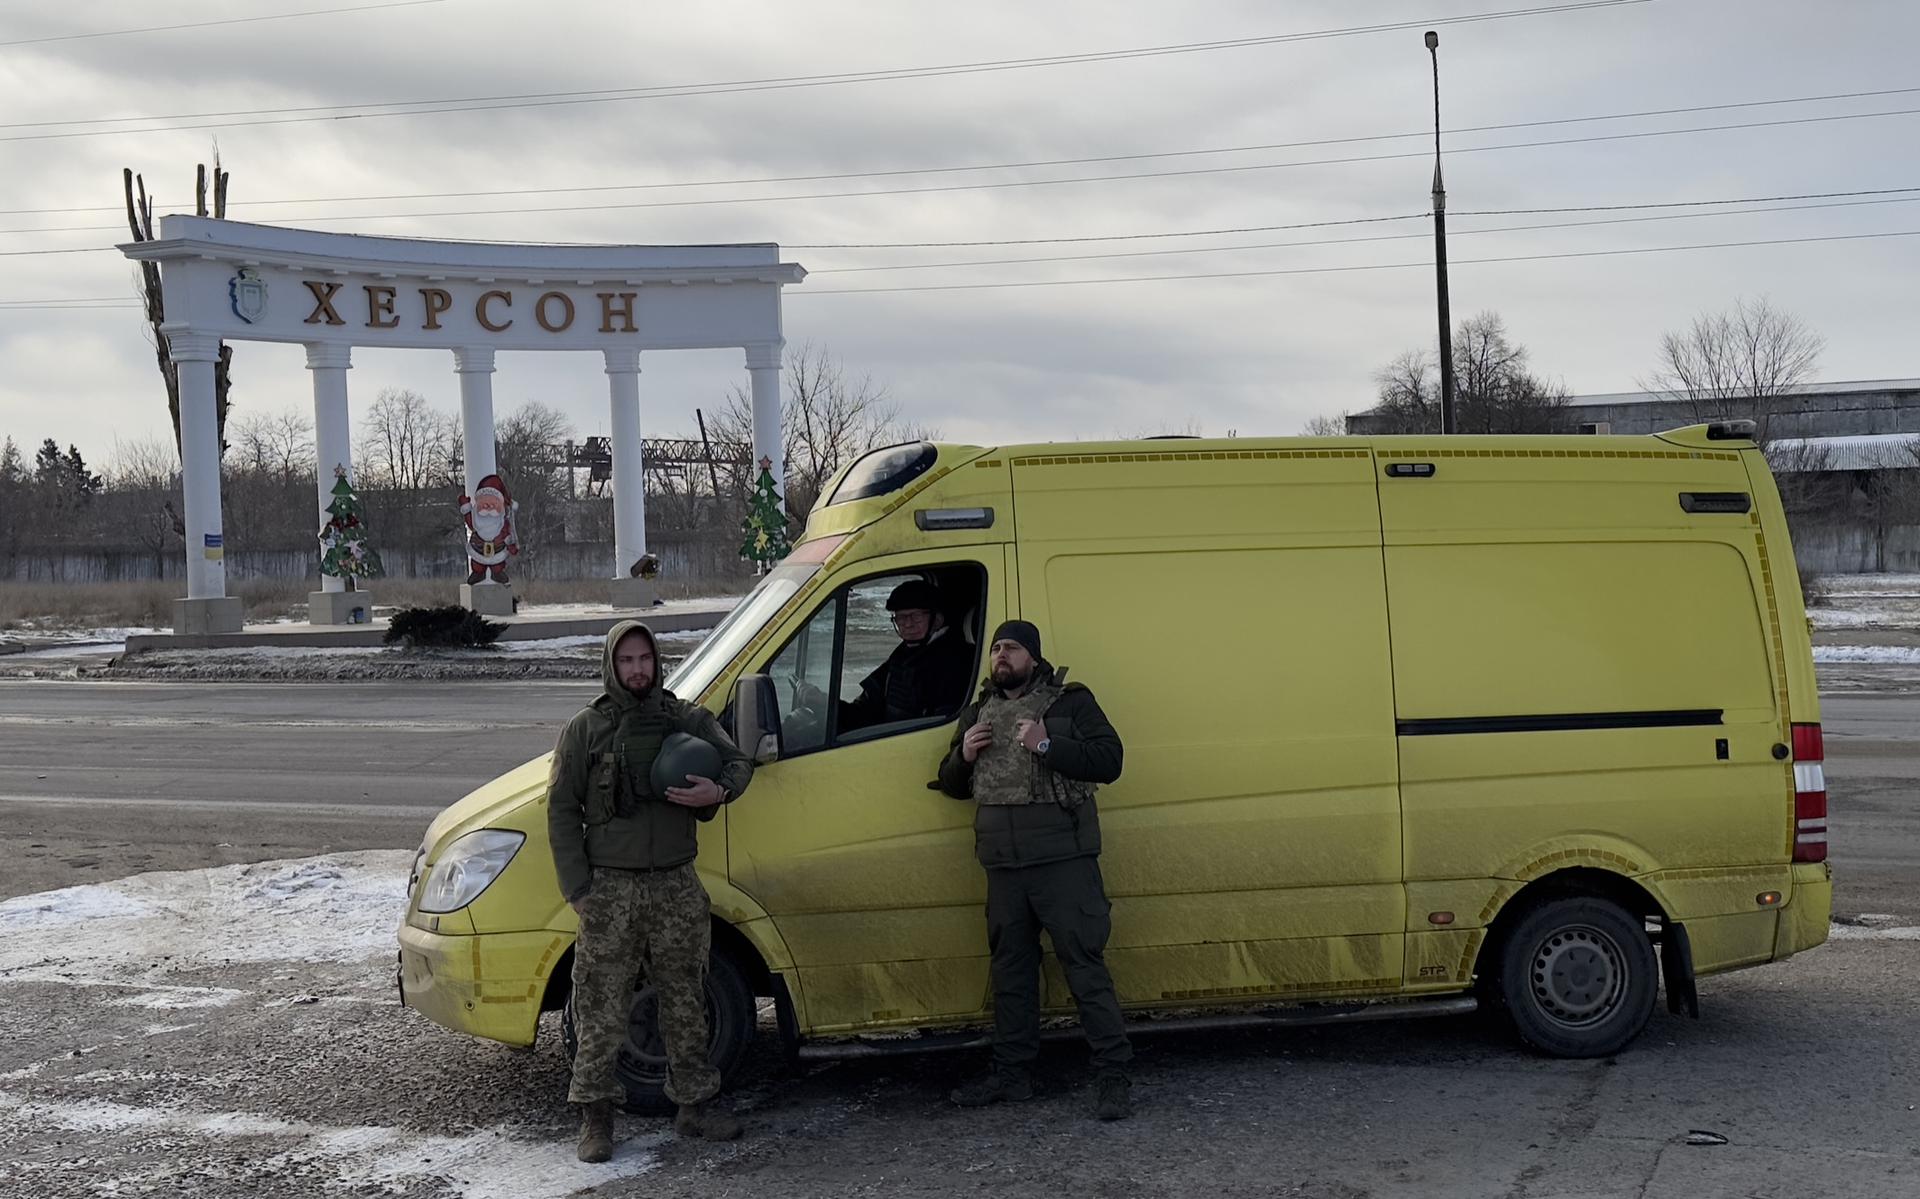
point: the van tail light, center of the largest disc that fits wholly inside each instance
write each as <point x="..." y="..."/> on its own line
<point x="1809" y="794"/>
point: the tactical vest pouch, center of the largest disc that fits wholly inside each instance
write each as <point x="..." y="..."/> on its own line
<point x="602" y="779"/>
<point x="1068" y="793"/>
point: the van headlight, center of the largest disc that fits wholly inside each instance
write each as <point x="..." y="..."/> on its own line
<point x="468" y="867"/>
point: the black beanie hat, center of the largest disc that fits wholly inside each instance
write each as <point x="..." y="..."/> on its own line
<point x="1021" y="631"/>
<point x="914" y="593"/>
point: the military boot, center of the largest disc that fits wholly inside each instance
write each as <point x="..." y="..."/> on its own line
<point x="1112" y="1095"/>
<point x="706" y="1121"/>
<point x="996" y="1086"/>
<point x="596" y="1131"/>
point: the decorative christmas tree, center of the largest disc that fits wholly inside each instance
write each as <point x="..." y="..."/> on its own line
<point x="344" y="552"/>
<point x="766" y="523"/>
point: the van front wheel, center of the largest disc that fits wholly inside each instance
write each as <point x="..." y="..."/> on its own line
<point x="1578" y="978"/>
<point x="642" y="1064"/>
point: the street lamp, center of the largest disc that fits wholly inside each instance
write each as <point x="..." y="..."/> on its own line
<point x="1440" y="249"/>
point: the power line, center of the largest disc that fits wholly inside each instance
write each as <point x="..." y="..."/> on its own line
<point x="1419" y="216"/>
<point x="1031" y="241"/>
<point x="672" y="91"/>
<point x="68" y="250"/>
<point x="282" y="16"/>
<point x="1312" y="270"/>
<point x="1047" y="162"/>
<point x="1012" y="183"/>
<point x="1342" y="241"/>
<point x="1378" y="266"/>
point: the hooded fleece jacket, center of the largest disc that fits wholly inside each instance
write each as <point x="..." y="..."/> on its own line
<point x="601" y="809"/>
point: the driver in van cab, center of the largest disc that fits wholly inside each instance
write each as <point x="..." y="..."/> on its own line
<point x="929" y="673"/>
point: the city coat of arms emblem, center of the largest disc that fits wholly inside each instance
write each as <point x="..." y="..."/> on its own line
<point x="249" y="293"/>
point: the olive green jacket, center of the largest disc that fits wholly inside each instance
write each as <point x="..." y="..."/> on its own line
<point x="600" y="809"/>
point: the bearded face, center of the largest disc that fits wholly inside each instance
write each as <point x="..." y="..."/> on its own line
<point x="489" y="514"/>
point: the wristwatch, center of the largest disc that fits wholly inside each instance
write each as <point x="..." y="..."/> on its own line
<point x="1046" y="743"/>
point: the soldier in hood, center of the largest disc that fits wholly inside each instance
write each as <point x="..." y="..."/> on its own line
<point x="623" y="851"/>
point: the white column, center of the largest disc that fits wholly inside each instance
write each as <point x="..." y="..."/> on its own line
<point x="194" y="355"/>
<point x="763" y="368"/>
<point x="332" y="432"/>
<point x="629" y="466"/>
<point x="475" y="366"/>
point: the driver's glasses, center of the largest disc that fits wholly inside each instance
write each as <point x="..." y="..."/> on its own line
<point x="912" y="618"/>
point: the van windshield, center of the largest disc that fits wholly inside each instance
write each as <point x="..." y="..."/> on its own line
<point x="751" y="615"/>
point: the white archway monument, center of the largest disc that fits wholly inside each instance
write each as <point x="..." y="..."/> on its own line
<point x="332" y="292"/>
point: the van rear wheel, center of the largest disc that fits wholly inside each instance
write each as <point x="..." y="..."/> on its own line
<point x="1578" y="977"/>
<point x="642" y="1065"/>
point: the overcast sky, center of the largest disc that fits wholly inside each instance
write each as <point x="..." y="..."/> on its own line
<point x="1259" y="354"/>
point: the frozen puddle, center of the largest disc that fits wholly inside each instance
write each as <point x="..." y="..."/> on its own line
<point x="342" y="907"/>
<point x="484" y="1165"/>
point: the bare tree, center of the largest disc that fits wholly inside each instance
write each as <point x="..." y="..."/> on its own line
<point x="1326" y="426"/>
<point x="827" y="420"/>
<point x="528" y="447"/>
<point x="405" y="445"/>
<point x="140" y="221"/>
<point x="404" y="461"/>
<point x="269" y="480"/>
<point x="1495" y="392"/>
<point x="1740" y="364"/>
<point x="1409" y="394"/>
<point x="142" y="497"/>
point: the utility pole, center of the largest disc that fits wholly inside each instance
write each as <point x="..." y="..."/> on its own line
<point x="1440" y="249"/>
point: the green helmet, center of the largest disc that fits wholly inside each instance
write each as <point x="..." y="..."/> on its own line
<point x="683" y="754"/>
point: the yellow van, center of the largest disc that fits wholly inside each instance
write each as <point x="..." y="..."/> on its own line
<point x="1413" y="725"/>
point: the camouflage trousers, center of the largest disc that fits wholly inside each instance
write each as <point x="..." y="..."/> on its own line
<point x="631" y="918"/>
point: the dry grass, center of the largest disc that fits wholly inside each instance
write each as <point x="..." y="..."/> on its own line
<point x="149" y="604"/>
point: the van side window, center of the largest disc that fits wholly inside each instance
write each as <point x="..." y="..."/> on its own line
<point x="805" y="668"/>
<point x="885" y="654"/>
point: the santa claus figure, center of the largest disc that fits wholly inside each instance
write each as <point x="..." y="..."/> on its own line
<point x="489" y="515"/>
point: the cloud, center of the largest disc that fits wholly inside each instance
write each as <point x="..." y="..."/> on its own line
<point x="1260" y="355"/>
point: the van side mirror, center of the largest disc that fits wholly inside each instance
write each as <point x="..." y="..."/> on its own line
<point x="756" y="718"/>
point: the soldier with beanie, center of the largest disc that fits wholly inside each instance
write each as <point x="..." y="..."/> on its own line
<point x="623" y="850"/>
<point x="1029" y="752"/>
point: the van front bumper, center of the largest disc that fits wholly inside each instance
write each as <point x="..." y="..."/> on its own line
<point x="489" y="985"/>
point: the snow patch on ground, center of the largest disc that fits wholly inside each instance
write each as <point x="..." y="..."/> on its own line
<point x="333" y="908"/>
<point x="1876" y="584"/>
<point x="704" y="603"/>
<point x="490" y="1164"/>
<point x="1897" y="654"/>
<point x="69" y="905"/>
<point x="1875" y="932"/>
<point x="1858" y="618"/>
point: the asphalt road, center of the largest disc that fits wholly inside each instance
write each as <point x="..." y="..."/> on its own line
<point x="102" y="779"/>
<point x="306" y="1079"/>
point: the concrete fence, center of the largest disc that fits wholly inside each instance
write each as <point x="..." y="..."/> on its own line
<point x="682" y="556"/>
<point x="1853" y="549"/>
<point x="1824" y="549"/>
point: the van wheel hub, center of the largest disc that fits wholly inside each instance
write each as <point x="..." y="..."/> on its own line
<point x="1578" y="974"/>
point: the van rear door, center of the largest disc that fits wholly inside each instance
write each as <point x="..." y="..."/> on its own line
<point x="1583" y="679"/>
